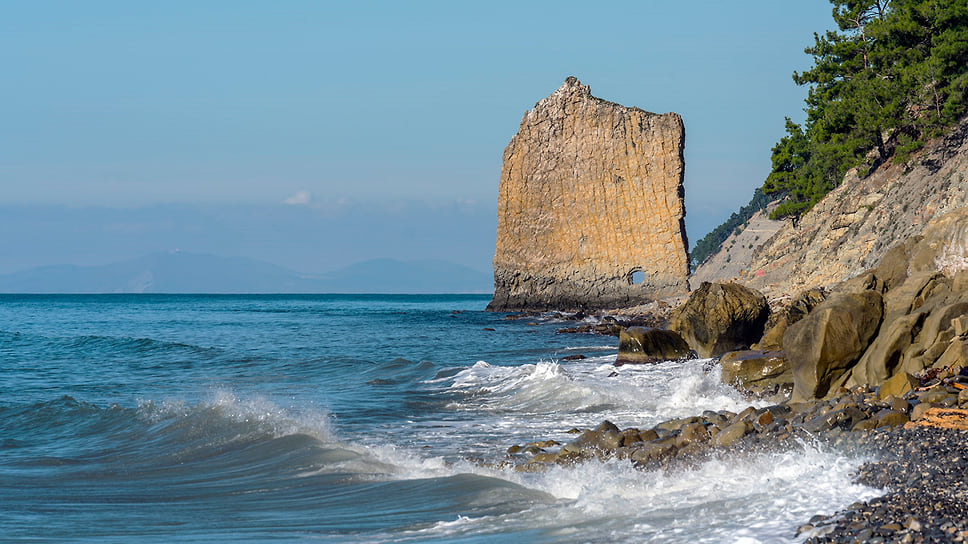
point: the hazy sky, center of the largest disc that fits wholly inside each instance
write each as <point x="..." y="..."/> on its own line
<point x="354" y="108"/>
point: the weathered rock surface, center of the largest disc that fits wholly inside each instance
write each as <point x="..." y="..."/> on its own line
<point x="855" y="225"/>
<point x="648" y="345"/>
<point x="756" y="371"/>
<point x="590" y="198"/>
<point x="827" y="343"/>
<point x="799" y="307"/>
<point x="721" y="317"/>
<point x="914" y="318"/>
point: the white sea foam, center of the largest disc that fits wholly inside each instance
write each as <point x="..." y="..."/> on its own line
<point x="251" y="414"/>
<point x="757" y="498"/>
<point x="589" y="390"/>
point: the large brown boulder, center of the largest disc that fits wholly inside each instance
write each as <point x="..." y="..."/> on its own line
<point x="887" y="351"/>
<point x="648" y="345"/>
<point x="799" y="307"/>
<point x="721" y="317"/>
<point x="825" y="344"/>
<point x="920" y="289"/>
<point x="893" y="269"/>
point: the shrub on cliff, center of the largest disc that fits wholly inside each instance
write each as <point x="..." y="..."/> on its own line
<point x="895" y="74"/>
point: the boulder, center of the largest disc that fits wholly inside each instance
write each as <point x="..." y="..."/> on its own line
<point x="731" y="434"/>
<point x="844" y="418"/>
<point x="889" y="418"/>
<point x="897" y="386"/>
<point x="721" y="317"/>
<point x="921" y="315"/>
<point x="607" y="436"/>
<point x="755" y="369"/>
<point x="887" y="351"/>
<point x="865" y="281"/>
<point x="943" y="319"/>
<point x="955" y="357"/>
<point x="693" y="433"/>
<point x="798" y="308"/>
<point x="920" y="289"/>
<point x="648" y="345"/>
<point x="652" y="451"/>
<point x="893" y="268"/>
<point x="826" y="343"/>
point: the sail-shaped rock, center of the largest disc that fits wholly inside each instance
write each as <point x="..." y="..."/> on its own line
<point x="590" y="207"/>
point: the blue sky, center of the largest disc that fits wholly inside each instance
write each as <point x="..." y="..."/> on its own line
<point x="297" y="119"/>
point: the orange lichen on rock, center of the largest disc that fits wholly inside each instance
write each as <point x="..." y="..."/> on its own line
<point x="944" y="418"/>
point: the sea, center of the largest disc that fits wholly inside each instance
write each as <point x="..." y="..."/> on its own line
<point x="359" y="418"/>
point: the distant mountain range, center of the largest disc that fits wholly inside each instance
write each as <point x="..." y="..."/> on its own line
<point x="181" y="272"/>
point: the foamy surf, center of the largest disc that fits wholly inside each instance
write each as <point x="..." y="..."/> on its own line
<point x="751" y="498"/>
<point x="583" y="393"/>
<point x="756" y="498"/>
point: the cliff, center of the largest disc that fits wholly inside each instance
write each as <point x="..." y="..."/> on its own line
<point x="734" y="256"/>
<point x="590" y="206"/>
<point x="851" y="229"/>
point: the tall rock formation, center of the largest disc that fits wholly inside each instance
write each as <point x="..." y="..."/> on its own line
<point x="590" y="209"/>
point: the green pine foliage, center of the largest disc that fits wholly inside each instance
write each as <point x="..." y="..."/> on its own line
<point x="711" y="243"/>
<point x="894" y="75"/>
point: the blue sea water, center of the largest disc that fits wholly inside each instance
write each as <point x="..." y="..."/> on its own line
<point x="186" y="418"/>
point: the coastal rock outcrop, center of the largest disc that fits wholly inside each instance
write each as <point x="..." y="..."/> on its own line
<point x="720" y="317"/>
<point x="907" y="317"/>
<point x="590" y="207"/>
<point x="855" y="225"/>
<point x="799" y="307"/>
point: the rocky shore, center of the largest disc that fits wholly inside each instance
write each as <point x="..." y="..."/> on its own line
<point x="877" y="361"/>
<point x="919" y="441"/>
<point x="924" y="471"/>
<point x="914" y="425"/>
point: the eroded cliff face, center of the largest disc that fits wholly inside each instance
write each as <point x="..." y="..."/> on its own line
<point x="852" y="228"/>
<point x="590" y="207"/>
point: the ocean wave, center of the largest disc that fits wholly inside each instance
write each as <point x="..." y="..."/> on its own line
<point x="138" y="346"/>
<point x="118" y="345"/>
<point x="637" y="394"/>
<point x="251" y="454"/>
<point x="223" y="431"/>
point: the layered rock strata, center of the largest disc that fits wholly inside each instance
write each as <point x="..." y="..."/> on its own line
<point x="854" y="226"/>
<point x="590" y="206"/>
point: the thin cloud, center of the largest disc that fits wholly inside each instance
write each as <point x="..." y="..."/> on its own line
<point x="299" y="199"/>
